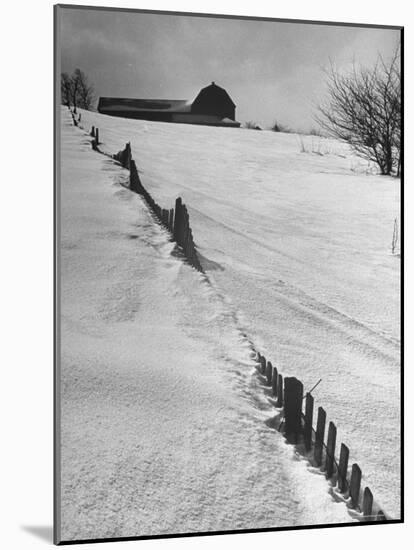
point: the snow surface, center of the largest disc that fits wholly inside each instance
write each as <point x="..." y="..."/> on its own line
<point x="296" y="234"/>
<point x="165" y="427"/>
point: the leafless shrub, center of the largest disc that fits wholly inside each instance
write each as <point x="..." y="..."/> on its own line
<point x="250" y="125"/>
<point x="364" y="109"/>
<point x="279" y="127"/>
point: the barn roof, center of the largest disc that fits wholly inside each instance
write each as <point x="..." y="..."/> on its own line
<point x="217" y="90"/>
<point x="138" y="105"/>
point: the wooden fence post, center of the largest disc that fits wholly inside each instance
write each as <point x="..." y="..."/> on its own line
<point x="343" y="468"/>
<point x="330" y="450"/>
<point x="177" y="220"/>
<point x="279" y="402"/>
<point x="171" y="220"/>
<point x="128" y="155"/>
<point x="293" y="407"/>
<point x="97" y="136"/>
<point x="308" y="421"/>
<point x="274" y="382"/>
<point x="320" y="434"/>
<point x="367" y="502"/>
<point x="187" y="235"/>
<point x="93" y="131"/>
<point x="355" y="485"/>
<point x="269" y="370"/>
<point x="186" y="240"/>
<point x="183" y="227"/>
<point x="263" y="364"/>
<point x="134" y="181"/>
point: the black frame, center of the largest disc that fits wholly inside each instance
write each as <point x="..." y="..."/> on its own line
<point x="56" y="286"/>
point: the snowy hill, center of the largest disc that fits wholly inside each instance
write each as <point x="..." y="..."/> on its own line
<point x="297" y="246"/>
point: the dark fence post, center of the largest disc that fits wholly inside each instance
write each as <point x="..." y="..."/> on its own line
<point x="274" y="382"/>
<point x="187" y="238"/>
<point x="269" y="370"/>
<point x="262" y="364"/>
<point x="367" y="502"/>
<point x="355" y="485"/>
<point x="330" y="450"/>
<point x="279" y="402"/>
<point x="293" y="407"/>
<point x="308" y="421"/>
<point x="171" y="220"/>
<point x="320" y="434"/>
<point x="177" y="220"/>
<point x="134" y="181"/>
<point x="128" y="155"/>
<point x="97" y="136"/>
<point x="93" y="131"/>
<point x="343" y="468"/>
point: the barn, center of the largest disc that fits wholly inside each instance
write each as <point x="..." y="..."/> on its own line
<point x="212" y="107"/>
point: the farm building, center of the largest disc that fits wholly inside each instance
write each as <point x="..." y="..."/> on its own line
<point x="213" y="107"/>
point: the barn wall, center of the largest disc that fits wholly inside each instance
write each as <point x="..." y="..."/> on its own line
<point x="139" y="115"/>
<point x="210" y="106"/>
<point x="191" y="118"/>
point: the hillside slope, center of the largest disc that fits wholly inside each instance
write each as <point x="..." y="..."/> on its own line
<point x="295" y="232"/>
<point x="163" y="416"/>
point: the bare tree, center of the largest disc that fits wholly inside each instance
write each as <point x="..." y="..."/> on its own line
<point x="76" y="90"/>
<point x="66" y="89"/>
<point x="364" y="109"/>
<point x="85" y="91"/>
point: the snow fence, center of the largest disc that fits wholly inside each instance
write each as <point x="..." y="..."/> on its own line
<point x="175" y="220"/>
<point x="297" y="425"/>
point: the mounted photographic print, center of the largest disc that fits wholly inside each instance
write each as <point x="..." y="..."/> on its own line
<point x="228" y="274"/>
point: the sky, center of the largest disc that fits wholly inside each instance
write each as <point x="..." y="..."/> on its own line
<point x="273" y="71"/>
